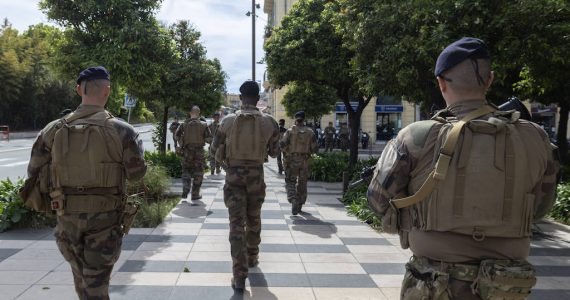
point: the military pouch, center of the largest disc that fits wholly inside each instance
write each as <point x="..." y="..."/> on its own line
<point x="424" y="282"/>
<point x="129" y="214"/>
<point x="504" y="279"/>
<point x="390" y="221"/>
<point x="32" y="196"/>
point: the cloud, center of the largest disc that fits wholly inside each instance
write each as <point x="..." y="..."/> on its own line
<point x="226" y="31"/>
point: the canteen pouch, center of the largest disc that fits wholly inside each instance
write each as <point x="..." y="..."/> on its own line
<point x="129" y="214"/>
<point x="504" y="279"/>
<point x="423" y="282"/>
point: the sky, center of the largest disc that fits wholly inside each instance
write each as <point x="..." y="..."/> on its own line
<point x="226" y="30"/>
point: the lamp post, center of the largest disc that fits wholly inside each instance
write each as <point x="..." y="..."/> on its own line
<point x="253" y="15"/>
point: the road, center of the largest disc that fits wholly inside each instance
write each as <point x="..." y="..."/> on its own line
<point x="15" y="154"/>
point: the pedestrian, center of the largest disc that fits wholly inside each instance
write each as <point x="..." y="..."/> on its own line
<point x="173" y="127"/>
<point x="241" y="143"/>
<point x="298" y="143"/>
<point x="330" y="132"/>
<point x="463" y="189"/>
<point x="282" y="130"/>
<point x="192" y="136"/>
<point x="86" y="156"/>
<point x="343" y="136"/>
<point x="214" y="167"/>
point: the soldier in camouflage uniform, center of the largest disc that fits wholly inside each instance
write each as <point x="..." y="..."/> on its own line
<point x="462" y="190"/>
<point x="241" y="144"/>
<point x="214" y="167"/>
<point x="173" y="127"/>
<point x="282" y="130"/>
<point x="90" y="208"/>
<point x="343" y="136"/>
<point x="298" y="143"/>
<point x="192" y="136"/>
<point x="330" y="132"/>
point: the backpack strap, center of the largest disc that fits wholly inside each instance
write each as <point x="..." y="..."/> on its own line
<point x="443" y="161"/>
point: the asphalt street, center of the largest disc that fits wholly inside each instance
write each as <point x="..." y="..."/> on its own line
<point x="15" y="154"/>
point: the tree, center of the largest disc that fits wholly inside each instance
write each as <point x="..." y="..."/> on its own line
<point x="307" y="47"/>
<point x="315" y="100"/>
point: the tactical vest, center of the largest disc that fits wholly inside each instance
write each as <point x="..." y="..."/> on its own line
<point x="343" y="132"/>
<point x="479" y="185"/>
<point x="329" y="132"/>
<point x="300" y="140"/>
<point x="86" y="158"/>
<point x="245" y="140"/>
<point x="194" y="133"/>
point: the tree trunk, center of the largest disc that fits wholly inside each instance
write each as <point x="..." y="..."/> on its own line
<point x="354" y="124"/>
<point x="164" y="129"/>
<point x="562" y="132"/>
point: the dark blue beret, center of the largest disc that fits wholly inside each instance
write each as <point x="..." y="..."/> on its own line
<point x="249" y="88"/>
<point x="300" y="115"/>
<point x="93" y="73"/>
<point x="459" y="51"/>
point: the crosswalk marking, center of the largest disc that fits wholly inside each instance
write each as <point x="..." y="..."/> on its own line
<point x="18" y="163"/>
<point x="5" y="159"/>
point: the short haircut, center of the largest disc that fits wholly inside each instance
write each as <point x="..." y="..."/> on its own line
<point x="94" y="87"/>
<point x="464" y="77"/>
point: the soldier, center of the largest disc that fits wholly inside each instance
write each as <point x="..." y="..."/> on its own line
<point x="192" y="136"/>
<point x="213" y="129"/>
<point x="343" y="136"/>
<point x="173" y="127"/>
<point x="86" y="156"/>
<point x="298" y="143"/>
<point x="474" y="180"/>
<point x="241" y="143"/>
<point x="282" y="130"/>
<point x="330" y="132"/>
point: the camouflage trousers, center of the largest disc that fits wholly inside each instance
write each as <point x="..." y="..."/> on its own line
<point x="280" y="161"/>
<point x="192" y="170"/>
<point x="329" y="144"/>
<point x="344" y="144"/>
<point x="214" y="166"/>
<point x="91" y="243"/>
<point x="244" y="193"/>
<point x="296" y="176"/>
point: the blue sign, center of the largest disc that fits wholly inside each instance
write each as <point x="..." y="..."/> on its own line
<point x="341" y="108"/>
<point x="389" y="108"/>
<point x="130" y="101"/>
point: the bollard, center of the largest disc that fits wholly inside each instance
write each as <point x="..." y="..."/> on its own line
<point x="168" y="146"/>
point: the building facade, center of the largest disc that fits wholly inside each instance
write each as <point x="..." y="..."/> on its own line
<point x="381" y="119"/>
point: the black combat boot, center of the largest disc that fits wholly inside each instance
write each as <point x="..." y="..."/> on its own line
<point x="238" y="284"/>
<point x="295" y="209"/>
<point x="185" y="194"/>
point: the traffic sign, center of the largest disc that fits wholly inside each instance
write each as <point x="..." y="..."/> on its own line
<point x="130" y="101"/>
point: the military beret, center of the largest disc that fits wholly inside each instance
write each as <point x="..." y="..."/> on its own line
<point x="93" y="73"/>
<point x="249" y="88"/>
<point x="300" y="115"/>
<point x="459" y="51"/>
<point x="216" y="114"/>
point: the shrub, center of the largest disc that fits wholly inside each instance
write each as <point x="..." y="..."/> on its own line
<point x="561" y="209"/>
<point x="169" y="160"/>
<point x="357" y="205"/>
<point x="13" y="213"/>
<point x="151" y="214"/>
<point x="154" y="184"/>
<point x="328" y="166"/>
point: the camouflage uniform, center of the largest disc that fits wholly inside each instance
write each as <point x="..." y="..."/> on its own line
<point x="329" y="138"/>
<point x="343" y="137"/>
<point x="280" y="153"/>
<point x="244" y="191"/>
<point x="173" y="127"/>
<point x="91" y="242"/>
<point x="297" y="162"/>
<point x="447" y="260"/>
<point x="211" y="156"/>
<point x="192" y="136"/>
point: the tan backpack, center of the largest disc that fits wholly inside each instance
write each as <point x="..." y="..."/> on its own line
<point x="479" y="185"/>
<point x="86" y="158"/>
<point x="245" y="140"/>
<point x="301" y="140"/>
<point x="194" y="133"/>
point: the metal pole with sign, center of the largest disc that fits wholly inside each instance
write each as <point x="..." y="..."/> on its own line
<point x="130" y="102"/>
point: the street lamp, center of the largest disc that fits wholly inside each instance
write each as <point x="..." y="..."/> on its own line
<point x="253" y="15"/>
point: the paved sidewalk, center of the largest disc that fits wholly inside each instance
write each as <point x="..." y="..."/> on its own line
<point x="321" y="254"/>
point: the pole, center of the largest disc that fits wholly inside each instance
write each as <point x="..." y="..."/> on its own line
<point x="129" y="117"/>
<point x="253" y="14"/>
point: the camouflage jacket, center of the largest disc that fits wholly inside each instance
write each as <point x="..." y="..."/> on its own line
<point x="132" y="156"/>
<point x="329" y="132"/>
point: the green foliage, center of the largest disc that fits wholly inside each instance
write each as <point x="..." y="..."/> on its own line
<point x="13" y="213"/>
<point x="328" y="166"/>
<point x="169" y="160"/>
<point x="316" y="100"/>
<point x="151" y="214"/>
<point x="154" y="184"/>
<point x="561" y="209"/>
<point x="357" y="205"/>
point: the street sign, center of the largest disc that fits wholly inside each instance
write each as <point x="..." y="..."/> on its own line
<point x="130" y="101"/>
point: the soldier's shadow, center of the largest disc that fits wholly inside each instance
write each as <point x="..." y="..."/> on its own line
<point x="259" y="283"/>
<point x="307" y="223"/>
<point x="191" y="209"/>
